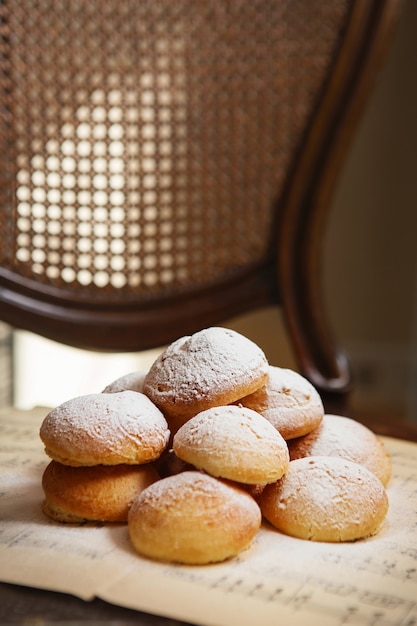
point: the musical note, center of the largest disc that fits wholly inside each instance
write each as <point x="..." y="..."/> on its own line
<point x="365" y="583"/>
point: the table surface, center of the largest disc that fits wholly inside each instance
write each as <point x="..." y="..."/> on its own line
<point x="26" y="606"/>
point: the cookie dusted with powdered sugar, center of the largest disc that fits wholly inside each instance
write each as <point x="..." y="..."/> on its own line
<point x="215" y="366"/>
<point x="193" y="518"/>
<point x="105" y="429"/>
<point x="133" y="381"/>
<point x="346" y="438"/>
<point x="235" y="443"/>
<point x="100" y="493"/>
<point x="289" y="401"/>
<point x="325" y="499"/>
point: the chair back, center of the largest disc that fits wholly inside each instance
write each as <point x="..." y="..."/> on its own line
<point x="165" y="165"/>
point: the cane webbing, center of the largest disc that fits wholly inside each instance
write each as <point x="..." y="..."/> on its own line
<point x="145" y="143"/>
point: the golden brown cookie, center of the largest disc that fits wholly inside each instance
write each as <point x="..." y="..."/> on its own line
<point x="132" y="381"/>
<point x="289" y="401"/>
<point x="325" y="499"/>
<point x="213" y="367"/>
<point x="348" y="439"/>
<point x="235" y="443"/>
<point x="99" y="493"/>
<point x="193" y="518"/>
<point x="105" y="429"/>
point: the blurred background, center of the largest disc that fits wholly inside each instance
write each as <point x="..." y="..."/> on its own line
<point x="369" y="271"/>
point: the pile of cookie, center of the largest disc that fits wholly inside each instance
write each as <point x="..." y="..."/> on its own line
<point x="197" y="452"/>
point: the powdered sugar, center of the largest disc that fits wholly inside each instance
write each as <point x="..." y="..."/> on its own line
<point x="132" y="381"/>
<point x="91" y="429"/>
<point x="183" y="490"/>
<point x="202" y="366"/>
<point x="289" y="401"/>
<point x="344" y="437"/>
<point x="235" y="443"/>
<point x="326" y="499"/>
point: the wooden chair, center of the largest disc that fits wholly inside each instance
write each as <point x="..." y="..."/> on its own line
<point x="167" y="164"/>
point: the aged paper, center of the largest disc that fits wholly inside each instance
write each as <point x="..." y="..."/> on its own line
<point x="369" y="583"/>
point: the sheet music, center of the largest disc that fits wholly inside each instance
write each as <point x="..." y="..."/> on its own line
<point x="369" y="583"/>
